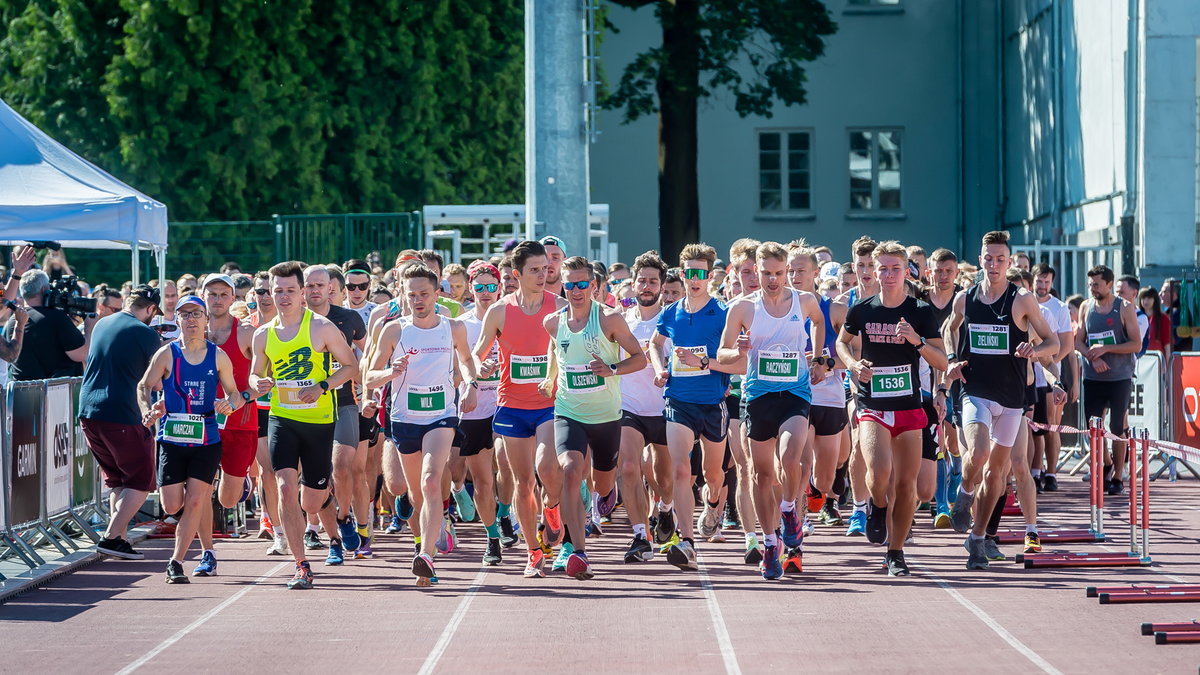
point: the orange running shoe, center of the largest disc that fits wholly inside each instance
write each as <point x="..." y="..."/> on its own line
<point x="554" y="526"/>
<point x="793" y="562"/>
<point x="816" y="503"/>
<point x="536" y="565"/>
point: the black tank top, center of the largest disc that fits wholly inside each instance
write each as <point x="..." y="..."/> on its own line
<point x="987" y="340"/>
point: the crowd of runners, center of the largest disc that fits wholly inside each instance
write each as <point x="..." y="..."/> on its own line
<point x="535" y="392"/>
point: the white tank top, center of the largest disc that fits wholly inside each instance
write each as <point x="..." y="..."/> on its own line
<point x="485" y="397"/>
<point x="425" y="393"/>
<point x="776" y="358"/>
<point x="638" y="393"/>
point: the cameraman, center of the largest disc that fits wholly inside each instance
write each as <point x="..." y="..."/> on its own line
<point x="53" y="345"/>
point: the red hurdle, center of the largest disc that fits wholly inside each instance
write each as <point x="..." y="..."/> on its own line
<point x="1095" y="591"/>
<point x="1177" y="638"/>
<point x="1131" y="596"/>
<point x="1178" y="627"/>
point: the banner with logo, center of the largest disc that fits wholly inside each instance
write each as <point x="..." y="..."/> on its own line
<point x="83" y="473"/>
<point x="1146" y="404"/>
<point x="1185" y="409"/>
<point x="24" y="471"/>
<point x="3" y="454"/>
<point x="58" y="448"/>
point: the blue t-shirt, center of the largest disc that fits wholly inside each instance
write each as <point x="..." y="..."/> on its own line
<point x="697" y="330"/>
<point x="118" y="356"/>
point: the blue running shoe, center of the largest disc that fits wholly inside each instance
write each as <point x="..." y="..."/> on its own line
<point x="772" y="568"/>
<point x="207" y="566"/>
<point x="792" y="528"/>
<point x="464" y="505"/>
<point x="858" y="524"/>
<point x="349" y="533"/>
<point x="395" y="526"/>
<point x="404" y="507"/>
<point x="560" y="563"/>
<point x="335" y="555"/>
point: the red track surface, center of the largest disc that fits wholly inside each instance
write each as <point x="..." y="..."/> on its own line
<point x="843" y="613"/>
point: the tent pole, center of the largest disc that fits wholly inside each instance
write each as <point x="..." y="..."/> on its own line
<point x="160" y="259"/>
<point x="134" y="267"/>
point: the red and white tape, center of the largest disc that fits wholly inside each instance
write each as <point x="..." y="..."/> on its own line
<point x="1176" y="450"/>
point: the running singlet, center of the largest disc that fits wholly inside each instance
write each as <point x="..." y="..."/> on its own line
<point x="485" y="395"/>
<point x="1108" y="329"/>
<point x="425" y="392"/>
<point x="638" y="393"/>
<point x="262" y="402"/>
<point x="294" y="366"/>
<point x="245" y="418"/>
<point x="831" y="391"/>
<point x="698" y="332"/>
<point x="582" y="395"/>
<point x="364" y="311"/>
<point x="987" y="340"/>
<point x="189" y="393"/>
<point x="523" y="360"/>
<point x="352" y="327"/>
<point x="895" y="363"/>
<point x="776" y="360"/>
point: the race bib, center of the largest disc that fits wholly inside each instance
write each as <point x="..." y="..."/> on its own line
<point x="182" y="428"/>
<point x="289" y="394"/>
<point x="1103" y="338"/>
<point x="221" y="420"/>
<point x="891" y="381"/>
<point x="681" y="369"/>
<point x="988" y="338"/>
<point x="778" y="366"/>
<point x="426" y="401"/>
<point x="528" y="369"/>
<point x="581" y="380"/>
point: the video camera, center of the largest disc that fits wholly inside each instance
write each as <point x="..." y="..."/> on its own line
<point x="64" y="294"/>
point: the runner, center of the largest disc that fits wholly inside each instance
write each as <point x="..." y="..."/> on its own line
<point x="262" y="311"/>
<point x="991" y="361"/>
<point x="741" y="486"/>
<point x="695" y="392"/>
<point x="291" y="361"/>
<point x="882" y="343"/>
<point x="358" y="288"/>
<point x="642" y="404"/>
<point x="861" y="274"/>
<point x="524" y="415"/>
<point x="417" y="356"/>
<point x="765" y="334"/>
<point x="1049" y="442"/>
<point x="585" y="367"/>
<point x="940" y="296"/>
<point x="188" y="371"/>
<point x="556" y="253"/>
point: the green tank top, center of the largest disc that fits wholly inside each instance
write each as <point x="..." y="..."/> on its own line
<point x="583" y="396"/>
<point x="294" y="365"/>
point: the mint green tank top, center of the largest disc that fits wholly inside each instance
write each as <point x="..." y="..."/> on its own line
<point x="583" y="396"/>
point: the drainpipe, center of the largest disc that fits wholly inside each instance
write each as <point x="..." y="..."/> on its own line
<point x="961" y="157"/>
<point x="1132" y="129"/>
<point x="1002" y="118"/>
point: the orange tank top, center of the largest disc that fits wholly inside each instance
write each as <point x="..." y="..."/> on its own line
<point x="523" y="361"/>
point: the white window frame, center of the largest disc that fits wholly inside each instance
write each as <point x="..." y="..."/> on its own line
<point x="875" y="208"/>
<point x="784" y="171"/>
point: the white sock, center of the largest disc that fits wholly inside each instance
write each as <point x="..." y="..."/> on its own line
<point x="860" y="507"/>
<point x="963" y="491"/>
<point x="1036" y="473"/>
<point x="310" y="528"/>
<point x="209" y="550"/>
<point x="665" y="507"/>
<point x="787" y="506"/>
<point x="769" y="540"/>
<point x="974" y="537"/>
<point x="639" y="530"/>
<point x="1031" y="529"/>
<point x="1049" y="475"/>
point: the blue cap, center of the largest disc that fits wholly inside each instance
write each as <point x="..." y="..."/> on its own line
<point x="191" y="300"/>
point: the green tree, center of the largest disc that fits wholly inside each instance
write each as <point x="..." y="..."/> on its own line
<point x="754" y="49"/>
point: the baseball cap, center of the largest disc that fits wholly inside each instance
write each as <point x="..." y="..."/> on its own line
<point x="555" y="241"/>
<point x="146" y="292"/>
<point x="213" y="278"/>
<point x="190" y="300"/>
<point x="830" y="270"/>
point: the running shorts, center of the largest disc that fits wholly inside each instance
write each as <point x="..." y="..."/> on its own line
<point x="303" y="446"/>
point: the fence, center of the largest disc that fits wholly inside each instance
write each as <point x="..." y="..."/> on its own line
<point x="1071" y="263"/>
<point x="337" y="238"/>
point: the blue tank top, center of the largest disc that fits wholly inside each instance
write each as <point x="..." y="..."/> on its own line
<point x="830" y="336"/>
<point x="189" y="393"/>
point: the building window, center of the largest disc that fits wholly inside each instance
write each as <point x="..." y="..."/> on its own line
<point x="784" y="170"/>
<point x="875" y="169"/>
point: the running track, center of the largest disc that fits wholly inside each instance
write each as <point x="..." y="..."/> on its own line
<point x="842" y="614"/>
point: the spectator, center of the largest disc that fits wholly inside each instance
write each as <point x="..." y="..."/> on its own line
<point x="165" y="322"/>
<point x="617" y="273"/>
<point x="454" y="283"/>
<point x="53" y="346"/>
<point x="108" y="301"/>
<point x="1159" y="336"/>
<point x="231" y="268"/>
<point x="111" y="419"/>
<point x="1127" y="288"/>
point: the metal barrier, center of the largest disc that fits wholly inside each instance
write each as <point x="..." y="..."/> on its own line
<point x="340" y="237"/>
<point x="1071" y="263"/>
<point x="466" y="233"/>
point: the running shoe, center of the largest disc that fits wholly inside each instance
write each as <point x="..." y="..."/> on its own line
<point x="422" y="566"/>
<point x="754" y="552"/>
<point x="312" y="541"/>
<point x="792" y="528"/>
<point x="446" y="537"/>
<point x="395" y="526"/>
<point x="807" y="527"/>
<point x="675" y="539"/>
<point x="942" y="520"/>
<point x="560" y="562"/>
<point x="709" y="520"/>
<point x="593" y="529"/>
<point x="976" y="555"/>
<point x="606" y="520"/>
<point x="302" y="580"/>
<point x="1116" y="487"/>
<point x="640" y="550"/>
<point x="546" y="548"/>
<point x="814" y="501"/>
<point x="175" y="573"/>
<point x="682" y="555"/>
<point x="664" y="528"/>
<point x="492" y="555"/>
<point x="554" y="526"/>
<point x="207" y="566"/>
<point x="1049" y="484"/>
<point x="876" y="523"/>
<point x="896" y="566"/>
<point x="364" y="550"/>
<point x="991" y="549"/>
<point x="771" y="567"/>
<point x="508" y="537"/>
<point x="336" y="555"/>
<point x="265" y="533"/>
<point x="348" y="530"/>
<point x="536" y="566"/>
<point x="730" y="521"/>
<point x="118" y="548"/>
<point x="577" y="566"/>
<point x="404" y="507"/>
<point x="858" y="524"/>
<point x="718" y="538"/>
<point x="606" y="503"/>
<point x="464" y="504"/>
<point x="1033" y="543"/>
<point x="279" y="546"/>
<point x="793" y="561"/>
<point x="829" y="514"/>
<point x="960" y="513"/>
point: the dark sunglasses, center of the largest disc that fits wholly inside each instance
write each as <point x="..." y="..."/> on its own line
<point x="486" y="288"/>
<point x="628" y="302"/>
<point x="695" y="273"/>
<point x="581" y="285"/>
<point x="358" y="287"/>
<point x="260" y="291"/>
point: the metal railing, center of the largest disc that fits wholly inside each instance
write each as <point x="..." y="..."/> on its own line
<point x="1071" y="263"/>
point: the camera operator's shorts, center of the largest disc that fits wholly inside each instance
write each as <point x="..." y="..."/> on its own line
<point x="125" y="452"/>
<point x="239" y="447"/>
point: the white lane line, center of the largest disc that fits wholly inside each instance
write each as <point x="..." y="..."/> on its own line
<point x="439" y="648"/>
<point x="183" y="632"/>
<point x="987" y="619"/>
<point x="1172" y="577"/>
<point x="718" y="619"/>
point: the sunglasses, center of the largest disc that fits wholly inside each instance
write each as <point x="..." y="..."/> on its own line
<point x="358" y="287"/>
<point x="628" y="302"/>
<point x="581" y="285"/>
<point x="199" y="313"/>
<point x="695" y="273"/>
<point x="486" y="288"/>
<point x="260" y="291"/>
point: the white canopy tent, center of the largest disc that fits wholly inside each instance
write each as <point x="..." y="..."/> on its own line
<point x="48" y="193"/>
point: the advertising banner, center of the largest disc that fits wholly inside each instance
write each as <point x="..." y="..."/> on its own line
<point x="1146" y="404"/>
<point x="57" y="447"/>
<point x="1185" y="409"/>
<point x="83" y="474"/>
<point x="24" y="471"/>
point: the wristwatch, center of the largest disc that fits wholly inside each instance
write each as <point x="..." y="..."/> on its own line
<point x="612" y="367"/>
<point x="246" y="396"/>
<point x="323" y="385"/>
<point x="703" y="363"/>
<point x="922" y="344"/>
<point x="952" y="357"/>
